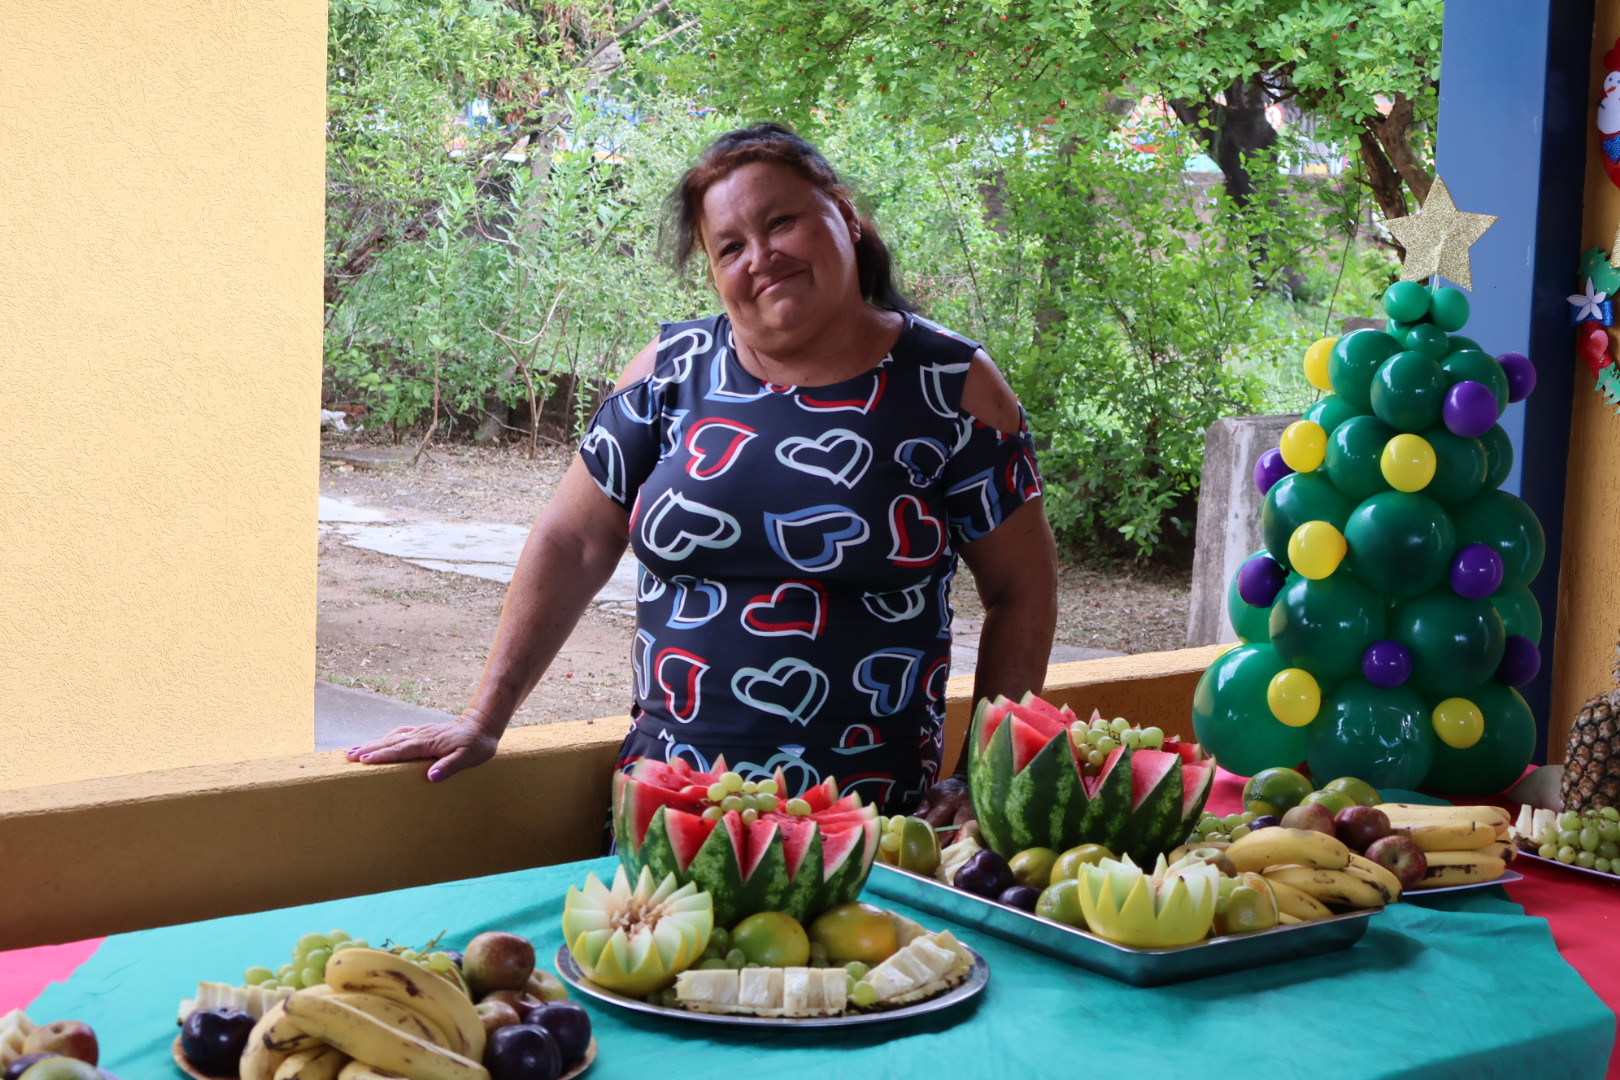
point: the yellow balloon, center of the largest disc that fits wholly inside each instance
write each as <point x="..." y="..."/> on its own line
<point x="1294" y="696"/>
<point x="1407" y="462"/>
<point x="1316" y="363"/>
<point x="1458" y="722"/>
<point x="1316" y="549"/>
<point x="1303" y="445"/>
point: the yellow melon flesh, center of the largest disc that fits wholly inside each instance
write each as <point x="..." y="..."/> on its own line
<point x="635" y="941"/>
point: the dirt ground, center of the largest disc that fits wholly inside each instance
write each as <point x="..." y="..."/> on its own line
<point x="421" y="636"/>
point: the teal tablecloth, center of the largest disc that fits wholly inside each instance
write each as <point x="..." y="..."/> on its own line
<point x="1464" y="985"/>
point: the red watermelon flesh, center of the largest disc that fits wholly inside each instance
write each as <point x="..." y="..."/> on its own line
<point x="991" y="714"/>
<point x="1148" y="769"/>
<point x="1041" y="714"/>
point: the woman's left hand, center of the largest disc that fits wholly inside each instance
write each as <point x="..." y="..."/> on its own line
<point x="946" y="803"/>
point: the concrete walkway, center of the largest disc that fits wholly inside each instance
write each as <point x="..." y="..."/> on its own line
<point x="344" y="716"/>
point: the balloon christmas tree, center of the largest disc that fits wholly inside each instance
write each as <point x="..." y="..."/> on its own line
<point x="1387" y="621"/>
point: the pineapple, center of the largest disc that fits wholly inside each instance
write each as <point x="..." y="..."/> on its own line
<point x="1592" y="762"/>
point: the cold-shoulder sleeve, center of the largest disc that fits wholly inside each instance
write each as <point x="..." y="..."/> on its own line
<point x="988" y="476"/>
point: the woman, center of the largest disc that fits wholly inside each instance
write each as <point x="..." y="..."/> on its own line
<point x="797" y="477"/>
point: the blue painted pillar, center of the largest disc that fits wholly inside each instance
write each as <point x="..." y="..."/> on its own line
<point x="1512" y="142"/>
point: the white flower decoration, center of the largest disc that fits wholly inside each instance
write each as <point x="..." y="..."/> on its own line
<point x="1587" y="304"/>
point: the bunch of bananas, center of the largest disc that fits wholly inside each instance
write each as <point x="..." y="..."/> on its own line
<point x="1311" y="873"/>
<point x="378" y="1015"/>
<point x="1463" y="844"/>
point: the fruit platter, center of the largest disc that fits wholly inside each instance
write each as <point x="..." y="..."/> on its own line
<point x="342" y="1010"/>
<point x="1585" y="840"/>
<point x="57" y="1050"/>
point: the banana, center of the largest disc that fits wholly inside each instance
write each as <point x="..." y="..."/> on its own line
<point x="1297" y="904"/>
<point x="1278" y="846"/>
<point x="359" y="1070"/>
<point x="1330" y="886"/>
<point x="1448" y="835"/>
<point x="380" y="1045"/>
<point x="1419" y="813"/>
<point x="1285" y="919"/>
<point x="1460" y="868"/>
<point x="373" y="971"/>
<point x="1381" y="875"/>
<point x="318" y="1063"/>
<point x="1505" y="850"/>
<point x="282" y="1032"/>
<point x="393" y="1013"/>
<point x="261" y="1059"/>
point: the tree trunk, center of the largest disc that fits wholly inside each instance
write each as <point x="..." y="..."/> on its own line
<point x="1231" y="132"/>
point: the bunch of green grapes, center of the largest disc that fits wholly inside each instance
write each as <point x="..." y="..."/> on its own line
<point x="750" y="798"/>
<point x="1213" y="827"/>
<point x="1589" y="838"/>
<point x="1094" y="740"/>
<point x="312" y="951"/>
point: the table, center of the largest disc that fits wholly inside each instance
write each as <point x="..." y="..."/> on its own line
<point x="1462" y="985"/>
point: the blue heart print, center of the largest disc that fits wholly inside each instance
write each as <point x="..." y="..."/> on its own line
<point x="813" y="540"/>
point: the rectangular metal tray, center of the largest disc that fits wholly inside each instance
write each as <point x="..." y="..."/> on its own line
<point x="1139" y="967"/>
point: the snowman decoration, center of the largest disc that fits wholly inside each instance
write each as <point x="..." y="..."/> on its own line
<point x="1608" y="114"/>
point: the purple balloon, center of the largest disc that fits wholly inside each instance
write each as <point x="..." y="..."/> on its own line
<point x="1260" y="580"/>
<point x="1269" y="469"/>
<point x="1521" y="374"/>
<point x="1469" y="409"/>
<point x="1521" y="660"/>
<point x="1476" y="571"/>
<point x="1386" y="663"/>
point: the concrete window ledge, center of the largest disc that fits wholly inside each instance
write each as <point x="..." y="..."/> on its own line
<point x="159" y="848"/>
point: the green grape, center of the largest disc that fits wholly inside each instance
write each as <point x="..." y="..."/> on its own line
<point x="253" y="976"/>
<point x="798" y="807"/>
<point x="731" y="802"/>
<point x="1548" y="835"/>
<point x="1118" y="724"/>
<point x="717" y="791"/>
<point x="749" y="816"/>
<point x="317" y="960"/>
<point x="713" y="963"/>
<point x="863" y="995"/>
<point x="1232" y="820"/>
<point x="1586" y="859"/>
<point x="751" y="964"/>
<point x="1610" y="812"/>
<point x="750" y="787"/>
<point x="769" y="787"/>
<point x="720" y="939"/>
<point x="1219" y="837"/>
<point x="748" y="802"/>
<point x="733" y="781"/>
<point x="736" y="959"/>
<point x="890" y="842"/>
<point x="1096" y="735"/>
<point x="1107" y="745"/>
<point x="713" y="813"/>
<point x="1239" y="831"/>
<point x="360" y="943"/>
<point x="1569" y="837"/>
<point x="1569" y="819"/>
<point x="337" y="937"/>
<point x="1589" y="838"/>
<point x="711" y="953"/>
<point x="823" y="962"/>
<point x="896" y="823"/>
<point x="856" y="969"/>
<point x="1566" y="854"/>
<point x="768" y="804"/>
<point x="1096" y="758"/>
<point x="410" y="954"/>
<point x="285" y="970"/>
<point x="271" y="984"/>
<point x="1603" y="865"/>
<point x="1077" y="732"/>
<point x="1608" y="830"/>
<point x="1548" y="851"/>
<point x="311" y="976"/>
<point x="1608" y="849"/>
<point x="1132" y="738"/>
<point x="440" y="961"/>
<point x="1153" y="736"/>
<point x="309" y="943"/>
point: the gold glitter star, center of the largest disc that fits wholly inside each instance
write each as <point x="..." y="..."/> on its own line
<point x="1614" y="249"/>
<point x="1437" y="238"/>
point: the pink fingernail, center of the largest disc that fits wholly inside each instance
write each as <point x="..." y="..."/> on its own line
<point x="435" y="775"/>
<point x="365" y="757"/>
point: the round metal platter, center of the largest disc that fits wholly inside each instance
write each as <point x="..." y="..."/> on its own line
<point x="976" y="979"/>
<point x="1600" y="875"/>
<point x="1508" y="877"/>
<point x="185" y="1066"/>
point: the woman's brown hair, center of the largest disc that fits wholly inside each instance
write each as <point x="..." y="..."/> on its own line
<point x="776" y="145"/>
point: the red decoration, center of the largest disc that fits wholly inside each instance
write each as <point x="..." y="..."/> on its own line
<point x="1593" y="347"/>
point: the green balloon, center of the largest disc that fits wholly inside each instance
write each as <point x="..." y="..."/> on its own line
<point x="1506" y="523"/>
<point x="1498" y="456"/>
<point x="1495" y="762"/>
<point x="1521" y="615"/>
<point x="1353" y="453"/>
<point x="1459" y="343"/>
<point x="1397" y="329"/>
<point x="1353" y="361"/>
<point x="1324" y="626"/>
<point x="1456" y="644"/>
<point x="1471" y="365"/>
<point x="1429" y="340"/>
<point x="1377" y="734"/>
<point x="1459" y="467"/>
<point x="1231" y="719"/>
<point x="1407" y="301"/>
<point x="1407" y="391"/>
<point x="1294" y="500"/>
<point x="1401" y="543"/>
<point x="1250" y="623"/>
<point x="1448" y="308"/>
<point x="1330" y="412"/>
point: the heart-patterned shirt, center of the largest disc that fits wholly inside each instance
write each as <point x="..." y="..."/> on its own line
<point x="797" y="546"/>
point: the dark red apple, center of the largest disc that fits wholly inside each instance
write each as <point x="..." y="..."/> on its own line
<point x="1312" y="816"/>
<point x="497" y="1014"/>
<point x="1401" y="856"/>
<point x="520" y="1002"/>
<point x="1361" y="826"/>
<point x="70" y="1038"/>
<point x="497" y="961"/>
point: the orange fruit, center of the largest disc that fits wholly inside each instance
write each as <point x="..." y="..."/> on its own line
<point x="772" y="939"/>
<point x="855" y="931"/>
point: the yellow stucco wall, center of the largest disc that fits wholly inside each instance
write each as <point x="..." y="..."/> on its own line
<point x="160" y="322"/>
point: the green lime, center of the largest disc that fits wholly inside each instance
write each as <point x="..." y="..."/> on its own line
<point x="1333" y="800"/>
<point x="1033" y="867"/>
<point x="1275" y="791"/>
<point x="772" y="939"/>
<point x="1067" y="866"/>
<point x="1060" y="902"/>
<point x="1362" y="792"/>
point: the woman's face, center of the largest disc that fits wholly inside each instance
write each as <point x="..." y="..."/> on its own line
<point x="782" y="253"/>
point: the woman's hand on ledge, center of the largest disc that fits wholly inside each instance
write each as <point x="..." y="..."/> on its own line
<point x="452" y="746"/>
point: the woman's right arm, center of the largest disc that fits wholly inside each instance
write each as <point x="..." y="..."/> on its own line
<point x="571" y="552"/>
